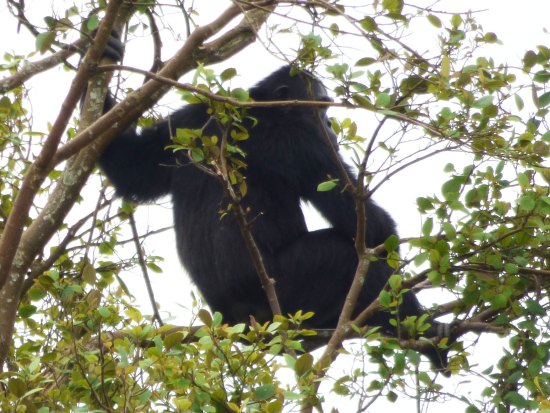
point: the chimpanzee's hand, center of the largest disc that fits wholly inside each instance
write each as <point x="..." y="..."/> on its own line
<point x="115" y="48"/>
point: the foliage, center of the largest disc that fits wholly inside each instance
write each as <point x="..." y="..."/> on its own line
<point x="71" y="335"/>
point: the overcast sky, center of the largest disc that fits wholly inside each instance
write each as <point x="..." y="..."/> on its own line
<point x="520" y="25"/>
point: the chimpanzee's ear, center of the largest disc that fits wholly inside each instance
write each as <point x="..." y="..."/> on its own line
<point x="282" y="92"/>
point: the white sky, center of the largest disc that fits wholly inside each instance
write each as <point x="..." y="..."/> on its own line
<point x="519" y="25"/>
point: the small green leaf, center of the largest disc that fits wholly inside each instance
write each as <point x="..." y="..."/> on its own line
<point x="456" y="21"/>
<point x="44" y="41"/>
<point x="483" y="102"/>
<point x="452" y="186"/>
<point x="384" y="298"/>
<point x="445" y="70"/>
<point x="490" y="37"/>
<point x="427" y="227"/>
<point x="205" y="317"/>
<point x="36" y="293"/>
<point x="392" y="243"/>
<point x="172" y="339"/>
<point x="197" y="154"/>
<point x="368" y="24"/>
<point x="529" y="59"/>
<point x="365" y="61"/>
<point x="515" y="399"/>
<point x="362" y="101"/>
<point x="383" y="100"/>
<point x="544" y="100"/>
<point x="275" y="406"/>
<point x="88" y="273"/>
<point x="519" y="102"/>
<point x="327" y="185"/>
<point x="264" y="392"/>
<point x="228" y="74"/>
<point x="16" y="386"/>
<point x="240" y="94"/>
<point x="154" y="267"/>
<point x="25" y="311"/>
<point x="526" y="202"/>
<point x="535" y="308"/>
<point x="303" y="364"/>
<point x="393" y="6"/>
<point x="395" y="281"/>
<point x="92" y="23"/>
<point x="424" y="204"/>
<point x="511" y="268"/>
<point x="434" y="20"/>
<point x="104" y="312"/>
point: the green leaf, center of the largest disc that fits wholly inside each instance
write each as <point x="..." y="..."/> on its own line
<point x="424" y="204"/>
<point x="452" y="187"/>
<point x="383" y="100"/>
<point x="240" y="94"/>
<point x="392" y="243"/>
<point x="395" y="281"/>
<point x="365" y="61"/>
<point x="483" y="102"/>
<point x="88" y="273"/>
<point x="519" y="102"/>
<point x="499" y="301"/>
<point x="92" y="23"/>
<point x="104" y="312"/>
<point x="456" y="21"/>
<point x="36" y="293"/>
<point x="303" y="364"/>
<point x="393" y="6"/>
<point x="44" y="41"/>
<point x="16" y="386"/>
<point x="275" y="406"/>
<point x="427" y="227"/>
<point x="327" y="185"/>
<point x="172" y="339"/>
<point x="490" y="37"/>
<point x="434" y="20"/>
<point x="534" y="307"/>
<point x="362" y="101"/>
<point x="526" y="202"/>
<point x="25" y="311"/>
<point x="228" y="74"/>
<point x="264" y="392"/>
<point x="154" y="267"/>
<point x="511" y="268"/>
<point x="529" y="59"/>
<point x="445" y="70"/>
<point x="515" y="399"/>
<point x="384" y="298"/>
<point x="368" y="24"/>
<point x="542" y="76"/>
<point x="197" y="154"/>
<point x="544" y="100"/>
<point x="205" y="317"/>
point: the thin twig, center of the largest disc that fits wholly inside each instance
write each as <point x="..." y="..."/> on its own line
<point x="144" y="271"/>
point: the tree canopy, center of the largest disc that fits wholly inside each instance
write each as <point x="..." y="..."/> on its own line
<point x="419" y="98"/>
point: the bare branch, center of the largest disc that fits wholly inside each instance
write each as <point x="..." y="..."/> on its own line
<point x="144" y="271"/>
<point x="33" y="68"/>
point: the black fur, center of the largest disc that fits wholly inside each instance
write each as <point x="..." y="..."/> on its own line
<point x="287" y="156"/>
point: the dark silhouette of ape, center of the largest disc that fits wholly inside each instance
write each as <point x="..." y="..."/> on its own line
<point x="287" y="156"/>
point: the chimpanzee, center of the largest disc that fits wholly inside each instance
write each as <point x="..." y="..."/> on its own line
<point x="287" y="156"/>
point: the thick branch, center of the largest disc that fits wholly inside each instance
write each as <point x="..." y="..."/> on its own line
<point x="17" y="250"/>
<point x="40" y="167"/>
<point x="183" y="61"/>
<point x="31" y="69"/>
